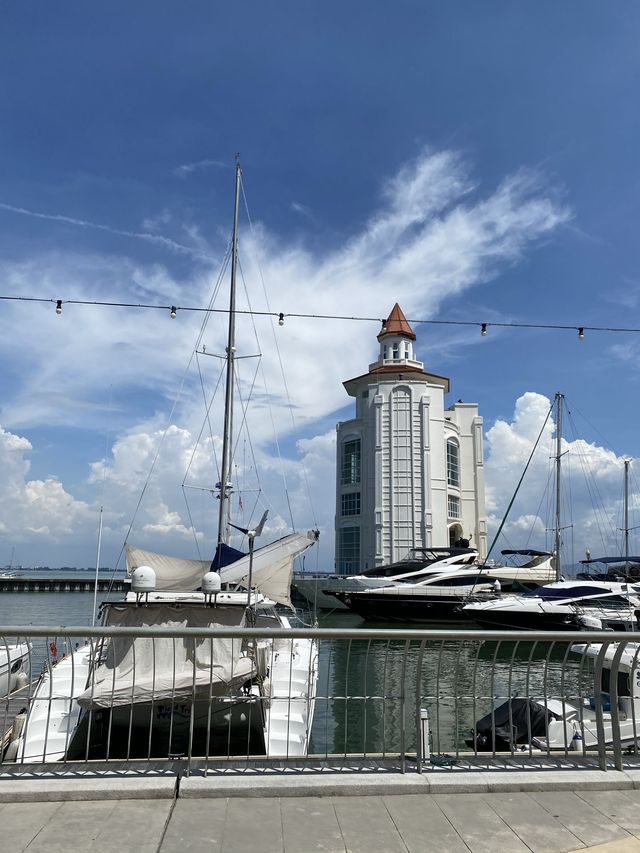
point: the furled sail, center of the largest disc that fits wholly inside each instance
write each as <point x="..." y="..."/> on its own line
<point x="272" y="566"/>
<point x="271" y="575"/>
<point x="172" y="573"/>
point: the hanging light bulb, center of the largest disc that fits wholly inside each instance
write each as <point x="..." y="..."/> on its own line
<point x="384" y="326"/>
<point x="581" y="333"/>
<point x="281" y="319"/>
<point x="173" y="312"/>
<point x="59" y="306"/>
<point x="483" y="330"/>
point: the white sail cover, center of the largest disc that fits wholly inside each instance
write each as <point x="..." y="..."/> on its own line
<point x="174" y="574"/>
<point x="156" y="669"/>
<point x="272" y="568"/>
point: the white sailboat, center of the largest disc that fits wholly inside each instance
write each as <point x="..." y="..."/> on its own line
<point x="161" y="696"/>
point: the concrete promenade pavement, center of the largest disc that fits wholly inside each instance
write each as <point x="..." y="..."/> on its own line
<point x="218" y="815"/>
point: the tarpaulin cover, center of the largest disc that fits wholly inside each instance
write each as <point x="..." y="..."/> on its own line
<point x="515" y="722"/>
<point x="145" y="669"/>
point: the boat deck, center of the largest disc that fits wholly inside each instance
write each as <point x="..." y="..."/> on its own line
<point x="512" y="822"/>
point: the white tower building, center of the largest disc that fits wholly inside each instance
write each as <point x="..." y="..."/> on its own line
<point x="409" y="472"/>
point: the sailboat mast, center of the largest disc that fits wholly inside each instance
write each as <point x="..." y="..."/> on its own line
<point x="224" y="516"/>
<point x="626" y="514"/>
<point x="559" y="399"/>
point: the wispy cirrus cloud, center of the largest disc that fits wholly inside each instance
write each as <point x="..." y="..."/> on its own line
<point x="156" y="239"/>
<point x="186" y="169"/>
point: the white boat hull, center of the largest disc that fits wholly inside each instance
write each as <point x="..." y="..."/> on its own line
<point x="14" y="666"/>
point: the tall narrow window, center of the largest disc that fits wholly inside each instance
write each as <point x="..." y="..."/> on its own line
<point x="453" y="506"/>
<point x="349" y="559"/>
<point x="350" y="503"/>
<point x="350" y="467"/>
<point x="453" y="463"/>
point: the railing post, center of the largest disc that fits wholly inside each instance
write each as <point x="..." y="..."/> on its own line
<point x="615" y="709"/>
<point x="421" y="716"/>
<point x="597" y="677"/>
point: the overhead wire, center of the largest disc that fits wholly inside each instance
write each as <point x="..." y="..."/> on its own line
<point x="481" y="325"/>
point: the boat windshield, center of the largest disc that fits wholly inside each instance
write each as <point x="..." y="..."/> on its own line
<point x="556" y="592"/>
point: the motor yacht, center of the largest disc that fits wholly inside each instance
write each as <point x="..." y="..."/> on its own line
<point x="562" y="606"/>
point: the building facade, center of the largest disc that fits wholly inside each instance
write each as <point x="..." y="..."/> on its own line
<point x="409" y="472"/>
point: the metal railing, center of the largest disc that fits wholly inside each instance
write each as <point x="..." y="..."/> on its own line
<point x="242" y="697"/>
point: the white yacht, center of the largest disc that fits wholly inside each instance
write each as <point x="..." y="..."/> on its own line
<point x="328" y="592"/>
<point x="562" y="606"/>
<point x="320" y="590"/>
<point x="439" y="596"/>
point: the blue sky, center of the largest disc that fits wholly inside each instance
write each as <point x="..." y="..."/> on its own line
<point x="474" y="161"/>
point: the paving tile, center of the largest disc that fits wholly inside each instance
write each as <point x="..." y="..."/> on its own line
<point x="73" y="827"/>
<point x="624" y="845"/>
<point x="580" y="817"/>
<point x="539" y="830"/>
<point x="422" y="825"/>
<point x="622" y="807"/>
<point x="21" y="823"/>
<point x="310" y="824"/>
<point x="253" y="824"/>
<point x="366" y="826"/>
<point x="196" y="826"/>
<point x="133" y="825"/>
<point x="482" y="830"/>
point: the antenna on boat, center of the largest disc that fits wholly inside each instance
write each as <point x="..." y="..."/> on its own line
<point x="224" y="510"/>
<point x="251" y="533"/>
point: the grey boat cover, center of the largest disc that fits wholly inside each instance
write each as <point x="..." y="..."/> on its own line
<point x="272" y="568"/>
<point x="154" y="669"/>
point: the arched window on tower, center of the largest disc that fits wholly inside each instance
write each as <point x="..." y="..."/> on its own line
<point x="453" y="463"/>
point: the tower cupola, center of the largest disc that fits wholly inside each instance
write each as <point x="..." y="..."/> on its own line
<point x="396" y="343"/>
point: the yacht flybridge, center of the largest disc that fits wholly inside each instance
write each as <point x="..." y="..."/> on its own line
<point x="171" y="693"/>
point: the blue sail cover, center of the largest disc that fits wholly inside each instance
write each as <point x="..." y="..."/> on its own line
<point x="224" y="556"/>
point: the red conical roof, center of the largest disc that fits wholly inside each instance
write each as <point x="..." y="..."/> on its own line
<point x="397" y="324"/>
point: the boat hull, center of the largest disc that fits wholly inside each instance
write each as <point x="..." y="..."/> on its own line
<point x="522" y="621"/>
<point x="14" y="667"/>
<point x="404" y="608"/>
<point x="170" y="729"/>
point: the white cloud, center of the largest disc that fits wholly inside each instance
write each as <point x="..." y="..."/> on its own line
<point x="34" y="508"/>
<point x="186" y="169"/>
<point x="434" y="235"/>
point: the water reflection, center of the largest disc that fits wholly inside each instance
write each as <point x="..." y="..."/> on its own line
<point x="370" y="692"/>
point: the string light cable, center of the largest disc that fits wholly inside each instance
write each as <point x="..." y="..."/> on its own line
<point x="280" y="316"/>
